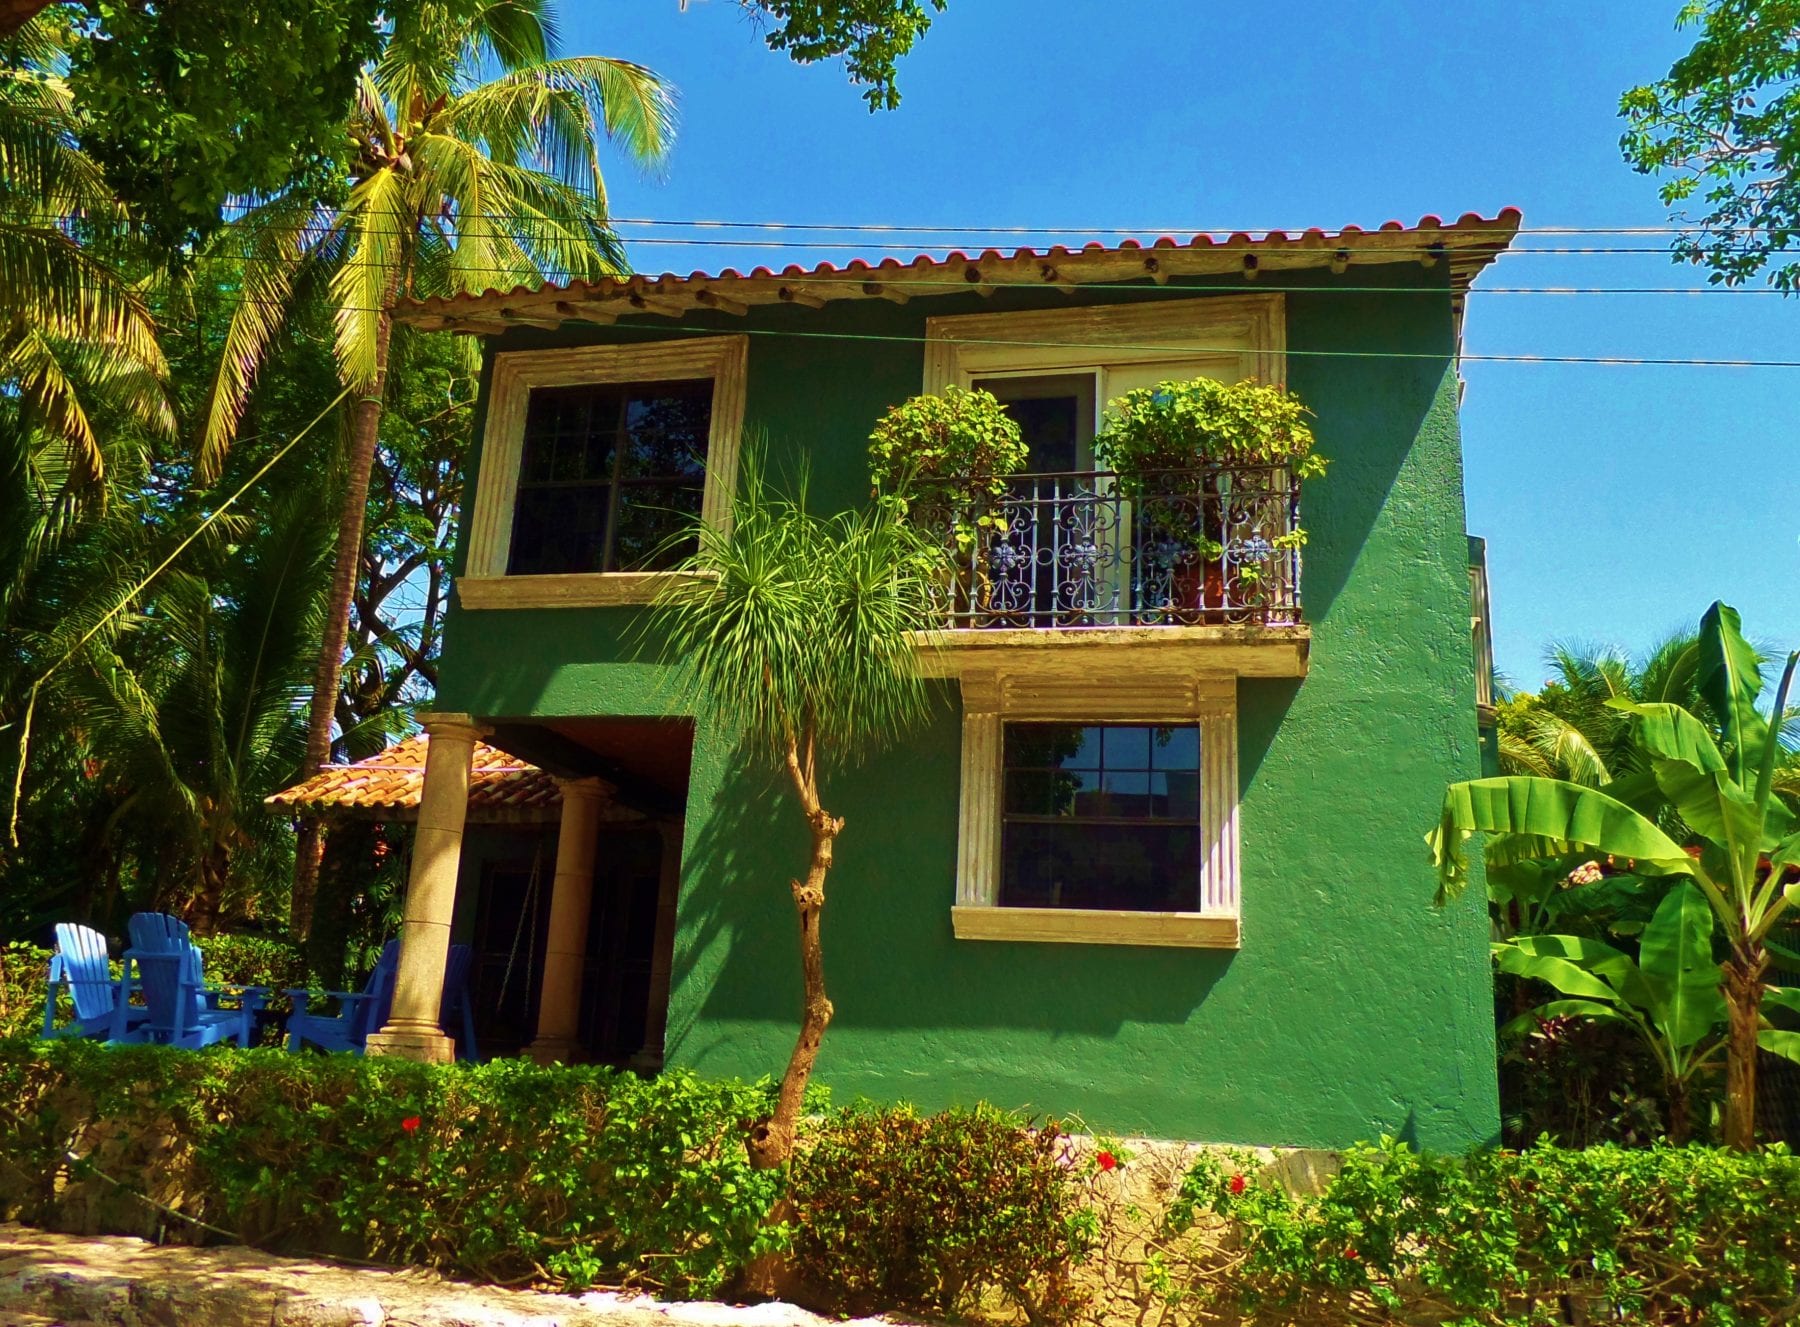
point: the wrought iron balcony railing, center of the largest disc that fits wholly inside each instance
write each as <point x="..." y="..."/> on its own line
<point x="1087" y="549"/>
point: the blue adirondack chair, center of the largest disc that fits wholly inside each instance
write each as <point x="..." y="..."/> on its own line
<point x="359" y="1012"/>
<point x="165" y="964"/>
<point x="362" y="1012"/>
<point x="80" y="964"/>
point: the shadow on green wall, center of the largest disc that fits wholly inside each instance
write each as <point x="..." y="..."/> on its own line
<point x="892" y="961"/>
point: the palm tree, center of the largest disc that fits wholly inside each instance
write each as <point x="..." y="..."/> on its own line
<point x="796" y="632"/>
<point x="193" y="717"/>
<point x="73" y="333"/>
<point x="476" y="164"/>
<point x="1569" y="729"/>
<point x="1693" y="805"/>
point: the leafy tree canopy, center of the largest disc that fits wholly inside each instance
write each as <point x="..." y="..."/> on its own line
<point x="869" y="36"/>
<point x="1723" y="129"/>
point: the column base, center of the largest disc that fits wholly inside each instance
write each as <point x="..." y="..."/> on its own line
<point x="413" y="1041"/>
<point x="555" y="1050"/>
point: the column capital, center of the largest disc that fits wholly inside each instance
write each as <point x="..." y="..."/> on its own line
<point x="443" y="723"/>
<point x="590" y="789"/>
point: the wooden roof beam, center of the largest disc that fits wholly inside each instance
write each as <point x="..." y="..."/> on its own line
<point x="884" y="292"/>
<point x="789" y="295"/>
<point x="713" y="300"/>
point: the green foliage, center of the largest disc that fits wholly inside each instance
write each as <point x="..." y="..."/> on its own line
<point x="1181" y="425"/>
<point x="794" y="628"/>
<point x="22" y="973"/>
<point x="1721" y="129"/>
<point x="1511" y="1239"/>
<point x="573" y="1175"/>
<point x="954" y="449"/>
<point x="186" y="105"/>
<point x="869" y="36"/>
<point x="1686" y="789"/>
<point x="938" y="1214"/>
<point x="257" y="960"/>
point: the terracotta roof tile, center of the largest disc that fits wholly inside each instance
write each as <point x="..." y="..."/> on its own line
<point x="395" y="779"/>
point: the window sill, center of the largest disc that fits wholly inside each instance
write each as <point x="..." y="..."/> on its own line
<point x="609" y="589"/>
<point x="1080" y="926"/>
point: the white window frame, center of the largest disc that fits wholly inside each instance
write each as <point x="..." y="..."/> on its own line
<point x="484" y="582"/>
<point x="993" y="700"/>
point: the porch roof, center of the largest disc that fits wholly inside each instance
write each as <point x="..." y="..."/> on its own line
<point x="502" y="788"/>
<point x="1466" y="245"/>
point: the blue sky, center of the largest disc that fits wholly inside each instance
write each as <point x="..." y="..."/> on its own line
<point x="1618" y="502"/>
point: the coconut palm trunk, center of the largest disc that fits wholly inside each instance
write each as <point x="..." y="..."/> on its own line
<point x="365" y="432"/>
<point x="771" y="1142"/>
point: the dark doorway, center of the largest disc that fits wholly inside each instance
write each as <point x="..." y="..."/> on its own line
<point x="624" y="975"/>
<point x="512" y="920"/>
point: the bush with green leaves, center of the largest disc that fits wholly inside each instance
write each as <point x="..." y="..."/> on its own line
<point x="1177" y="425"/>
<point x="1506" y="1239"/>
<point x="501" y="1171"/>
<point x="940" y="1214"/>
<point x="954" y="449"/>
<point x="23" y="969"/>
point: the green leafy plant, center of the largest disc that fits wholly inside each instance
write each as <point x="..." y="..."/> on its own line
<point x="1174" y="427"/>
<point x="798" y="632"/>
<point x="1669" y="996"/>
<point x="953" y="450"/>
<point x="1719" y="795"/>
<point x="935" y="1214"/>
<point x="1505" y="1239"/>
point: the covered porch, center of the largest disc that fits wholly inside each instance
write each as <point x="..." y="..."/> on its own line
<point x="553" y="850"/>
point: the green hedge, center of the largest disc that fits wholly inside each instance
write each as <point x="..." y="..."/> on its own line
<point x="510" y="1171"/>
<point x="23" y="969"/>
<point x="1659" y="1235"/>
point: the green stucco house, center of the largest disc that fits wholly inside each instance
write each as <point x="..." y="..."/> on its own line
<point x="1221" y="927"/>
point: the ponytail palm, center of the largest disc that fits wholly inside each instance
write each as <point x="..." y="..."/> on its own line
<point x="476" y="165"/>
<point x="1740" y="844"/>
<point x="797" y="633"/>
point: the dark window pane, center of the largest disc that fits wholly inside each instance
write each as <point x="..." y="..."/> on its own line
<point x="1176" y="748"/>
<point x="1115" y="834"/>
<point x="559" y="529"/>
<point x="1128" y="748"/>
<point x="646" y="441"/>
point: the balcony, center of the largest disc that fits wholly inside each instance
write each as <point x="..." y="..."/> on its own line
<point x="1179" y="575"/>
<point x="1073" y="551"/>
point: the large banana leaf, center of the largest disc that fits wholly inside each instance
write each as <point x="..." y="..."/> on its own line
<point x="1731" y="681"/>
<point x="1597" y="959"/>
<point x="1612" y="899"/>
<point x="1711" y="804"/>
<point x="1784" y="1044"/>
<point x="1676" y="961"/>
<point x="1529" y="1020"/>
<point x="1567" y="976"/>
<point x="1668" y="732"/>
<point x="1550" y="809"/>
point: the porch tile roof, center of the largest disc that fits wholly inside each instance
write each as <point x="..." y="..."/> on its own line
<point x="501" y="786"/>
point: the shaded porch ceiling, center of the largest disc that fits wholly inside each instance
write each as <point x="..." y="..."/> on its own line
<point x="646" y="759"/>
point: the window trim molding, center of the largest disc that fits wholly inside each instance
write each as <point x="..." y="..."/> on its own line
<point x="484" y="582"/>
<point x="992" y="699"/>
<point x="1249" y="332"/>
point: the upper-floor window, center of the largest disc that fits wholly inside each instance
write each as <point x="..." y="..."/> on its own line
<point x="594" y="463"/>
<point x="611" y="476"/>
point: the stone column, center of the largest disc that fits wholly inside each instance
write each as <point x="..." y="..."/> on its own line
<point x="656" y="1023"/>
<point x="412" y="1027"/>
<point x="571" y="898"/>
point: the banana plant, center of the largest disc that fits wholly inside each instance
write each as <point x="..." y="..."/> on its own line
<point x="1670" y="996"/>
<point x="1741" y="841"/>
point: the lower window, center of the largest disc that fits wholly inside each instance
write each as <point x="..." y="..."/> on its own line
<point x="1101" y="817"/>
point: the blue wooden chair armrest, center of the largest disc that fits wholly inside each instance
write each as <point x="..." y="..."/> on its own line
<point x="300" y="996"/>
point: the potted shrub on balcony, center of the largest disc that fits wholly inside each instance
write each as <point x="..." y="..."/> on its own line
<point x="944" y="459"/>
<point x="1185" y="453"/>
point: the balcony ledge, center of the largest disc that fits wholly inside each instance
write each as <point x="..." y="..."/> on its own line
<point x="1217" y="650"/>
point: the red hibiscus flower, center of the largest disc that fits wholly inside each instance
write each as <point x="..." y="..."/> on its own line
<point x="1351" y="1253"/>
<point x="410" y="1123"/>
<point x="1106" y="1160"/>
<point x="1237" y="1184"/>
